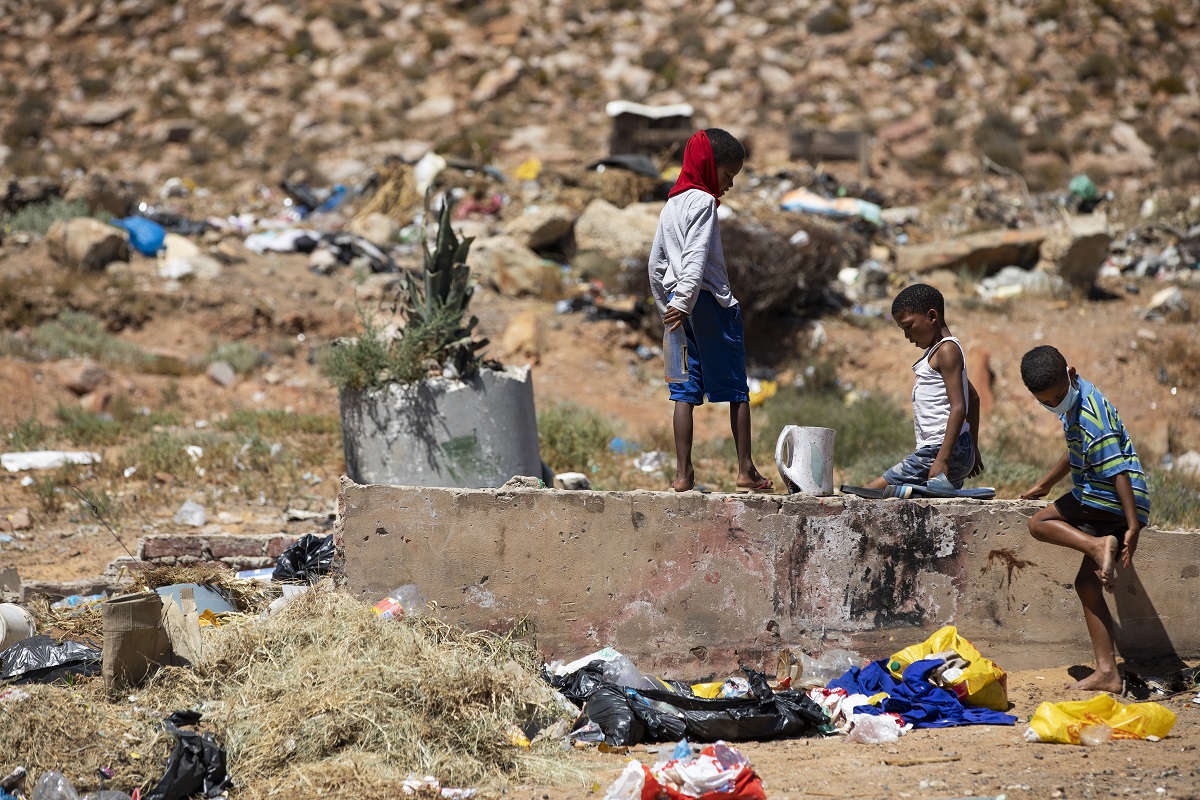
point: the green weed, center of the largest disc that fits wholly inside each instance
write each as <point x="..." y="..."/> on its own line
<point x="239" y="355"/>
<point x="275" y="423"/>
<point x="1174" y="500"/>
<point x="573" y="438"/>
<point x="36" y="218"/>
<point x="28" y="434"/>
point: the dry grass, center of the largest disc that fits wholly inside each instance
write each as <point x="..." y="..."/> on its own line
<point x="322" y="698"/>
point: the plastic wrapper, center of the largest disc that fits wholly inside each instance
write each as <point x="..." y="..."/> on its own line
<point x="306" y="561"/>
<point x="40" y="659"/>
<point x="1064" y="723"/>
<point x="195" y="766"/>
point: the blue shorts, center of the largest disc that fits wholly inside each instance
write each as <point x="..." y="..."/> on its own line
<point x="716" y="355"/>
<point x="915" y="468"/>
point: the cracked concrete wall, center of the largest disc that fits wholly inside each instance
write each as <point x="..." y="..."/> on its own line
<point x="689" y="584"/>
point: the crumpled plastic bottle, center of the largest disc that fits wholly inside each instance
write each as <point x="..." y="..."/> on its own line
<point x="406" y="601"/>
<point x="53" y="786"/>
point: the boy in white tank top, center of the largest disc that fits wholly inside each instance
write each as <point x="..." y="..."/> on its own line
<point x="945" y="404"/>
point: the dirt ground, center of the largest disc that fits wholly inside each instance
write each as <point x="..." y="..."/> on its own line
<point x="976" y="761"/>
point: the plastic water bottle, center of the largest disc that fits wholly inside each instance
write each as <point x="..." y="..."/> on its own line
<point x="407" y="601"/>
<point x="675" y="355"/>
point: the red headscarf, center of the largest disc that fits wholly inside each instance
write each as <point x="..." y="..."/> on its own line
<point x="699" y="168"/>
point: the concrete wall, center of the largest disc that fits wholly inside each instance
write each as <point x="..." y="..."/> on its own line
<point x="690" y="584"/>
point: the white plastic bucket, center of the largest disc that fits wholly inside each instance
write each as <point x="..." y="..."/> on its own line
<point x="804" y="458"/>
<point x="16" y="624"/>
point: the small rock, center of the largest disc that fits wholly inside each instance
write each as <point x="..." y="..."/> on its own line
<point x="431" y="109"/>
<point x="222" y="373"/>
<point x="18" y="520"/>
<point x="572" y="481"/>
<point x="541" y="226"/>
<point x="523" y="482"/>
<point x="325" y="35"/>
<point x="86" y="244"/>
<point x="96" y="402"/>
<point x="376" y="228"/>
<point x="513" y="269"/>
<point x="81" y="376"/>
<point x="522" y="337"/>
<point x="617" y="233"/>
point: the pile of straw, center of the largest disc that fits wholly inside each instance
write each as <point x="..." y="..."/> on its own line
<point x="322" y="698"/>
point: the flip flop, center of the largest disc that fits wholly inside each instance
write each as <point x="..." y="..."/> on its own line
<point x="766" y="487"/>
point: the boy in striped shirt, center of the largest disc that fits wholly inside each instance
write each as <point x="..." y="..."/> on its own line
<point x="1103" y="514"/>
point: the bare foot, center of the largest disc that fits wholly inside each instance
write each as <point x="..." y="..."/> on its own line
<point x="1099" y="682"/>
<point x="1108" y="564"/>
<point x="684" y="483"/>
<point x="755" y="482"/>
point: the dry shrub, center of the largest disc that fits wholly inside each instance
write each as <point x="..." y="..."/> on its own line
<point x="397" y="195"/>
<point x="323" y="695"/>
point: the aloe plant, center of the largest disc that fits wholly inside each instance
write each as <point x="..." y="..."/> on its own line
<point x="437" y="335"/>
<point x="436" y="303"/>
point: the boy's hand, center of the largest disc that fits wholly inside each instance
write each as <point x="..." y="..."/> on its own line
<point x="1034" y="493"/>
<point x="1131" y="540"/>
<point x="673" y="318"/>
<point x="978" y="468"/>
<point x="939" y="468"/>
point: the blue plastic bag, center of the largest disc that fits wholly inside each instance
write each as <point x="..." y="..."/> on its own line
<point x="145" y="235"/>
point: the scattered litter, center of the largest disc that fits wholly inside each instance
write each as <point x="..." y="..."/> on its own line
<point x="145" y="236"/>
<point x="430" y="785"/>
<point x="40" y="659"/>
<point x="289" y="240"/>
<point x="47" y="459"/>
<point x="869" y="729"/>
<point x="719" y="770"/>
<point x="79" y="601"/>
<point x="651" y="461"/>
<point x="16" y="624"/>
<point x="196" y="764"/>
<point x="407" y="601"/>
<point x="263" y="575"/>
<point x="843" y="207"/>
<point x="191" y="513"/>
<point x="1064" y="723"/>
<point x="309" y="558"/>
<point x="205" y="597"/>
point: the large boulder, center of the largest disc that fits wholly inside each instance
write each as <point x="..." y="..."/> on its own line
<point x="1078" y="249"/>
<point x="541" y="227"/>
<point x="86" y="244"/>
<point x="513" y="269"/>
<point x="981" y="253"/>
<point x="617" y="233"/>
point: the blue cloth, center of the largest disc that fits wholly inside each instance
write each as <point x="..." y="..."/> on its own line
<point x="146" y="236"/>
<point x="1100" y="449"/>
<point x="918" y="701"/>
<point x="914" y="469"/>
<point x="716" y="354"/>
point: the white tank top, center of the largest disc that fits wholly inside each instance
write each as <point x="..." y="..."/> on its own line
<point x="931" y="404"/>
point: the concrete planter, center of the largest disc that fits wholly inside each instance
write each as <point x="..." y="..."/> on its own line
<point x="442" y="432"/>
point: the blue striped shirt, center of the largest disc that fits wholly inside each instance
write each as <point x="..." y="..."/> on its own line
<point x="1100" y="449"/>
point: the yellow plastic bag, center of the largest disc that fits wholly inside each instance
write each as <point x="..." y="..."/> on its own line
<point x="1062" y="722"/>
<point x="981" y="684"/>
<point x="708" y="690"/>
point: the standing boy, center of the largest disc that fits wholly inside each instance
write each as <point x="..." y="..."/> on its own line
<point x="945" y="405"/>
<point x="691" y="287"/>
<point x="1103" y="514"/>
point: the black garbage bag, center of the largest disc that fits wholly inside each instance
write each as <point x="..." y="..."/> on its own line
<point x="195" y="766"/>
<point x="608" y="707"/>
<point x="661" y="725"/>
<point x="310" y="557"/>
<point x="41" y="659"/>
<point x="578" y="686"/>
<point x="780" y="715"/>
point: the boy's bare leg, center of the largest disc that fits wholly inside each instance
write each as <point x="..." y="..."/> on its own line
<point x="681" y="423"/>
<point x="1049" y="526"/>
<point x="739" y="424"/>
<point x="1099" y="621"/>
<point x="878" y="483"/>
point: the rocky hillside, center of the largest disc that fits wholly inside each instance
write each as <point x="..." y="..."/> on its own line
<point x="216" y="90"/>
